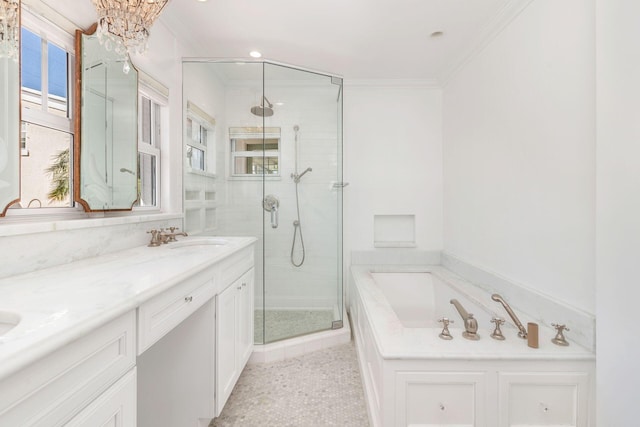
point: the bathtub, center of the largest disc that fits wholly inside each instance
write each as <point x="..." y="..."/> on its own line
<point x="412" y="377"/>
<point x="420" y="299"/>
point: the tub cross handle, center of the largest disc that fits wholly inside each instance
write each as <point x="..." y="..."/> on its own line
<point x="445" y="334"/>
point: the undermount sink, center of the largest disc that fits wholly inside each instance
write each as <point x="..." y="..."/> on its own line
<point x="8" y="321"/>
<point x="198" y="241"/>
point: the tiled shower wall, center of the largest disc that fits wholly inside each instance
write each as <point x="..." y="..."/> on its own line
<point x="239" y="210"/>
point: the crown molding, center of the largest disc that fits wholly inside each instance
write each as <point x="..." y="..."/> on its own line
<point x="393" y="83"/>
<point x="501" y="20"/>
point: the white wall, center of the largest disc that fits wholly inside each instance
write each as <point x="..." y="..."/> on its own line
<point x="519" y="154"/>
<point x="618" y="207"/>
<point x="393" y="160"/>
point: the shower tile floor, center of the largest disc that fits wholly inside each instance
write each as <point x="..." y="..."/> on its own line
<point x="322" y="388"/>
<point x="282" y="324"/>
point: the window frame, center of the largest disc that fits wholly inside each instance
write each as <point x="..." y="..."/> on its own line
<point x="203" y="121"/>
<point x="154" y="148"/>
<point x="49" y="33"/>
<point x="261" y="134"/>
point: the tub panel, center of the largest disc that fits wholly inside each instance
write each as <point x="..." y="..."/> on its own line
<point x="440" y="399"/>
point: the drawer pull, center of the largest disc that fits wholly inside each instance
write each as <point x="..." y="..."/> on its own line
<point x="544" y="407"/>
<point x="244" y="284"/>
<point x="442" y="408"/>
<point x="239" y="288"/>
<point x="188" y="299"/>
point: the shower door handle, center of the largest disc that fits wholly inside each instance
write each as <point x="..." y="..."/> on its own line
<point x="271" y="204"/>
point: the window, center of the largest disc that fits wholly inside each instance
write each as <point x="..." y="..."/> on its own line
<point x="200" y="147"/>
<point x="152" y="109"/>
<point x="46" y="137"/>
<point x="254" y="152"/>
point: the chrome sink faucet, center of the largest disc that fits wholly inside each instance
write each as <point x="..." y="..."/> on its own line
<point x="522" y="331"/>
<point x="470" y="323"/>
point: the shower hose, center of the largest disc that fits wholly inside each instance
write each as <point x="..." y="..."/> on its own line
<point x="297" y="230"/>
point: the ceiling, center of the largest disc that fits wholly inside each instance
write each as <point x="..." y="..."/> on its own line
<point x="358" y="39"/>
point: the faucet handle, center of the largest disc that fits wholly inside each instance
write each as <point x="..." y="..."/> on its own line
<point x="172" y="229"/>
<point x="559" y="339"/>
<point x="155" y="237"/>
<point x="445" y="334"/>
<point x="497" y="332"/>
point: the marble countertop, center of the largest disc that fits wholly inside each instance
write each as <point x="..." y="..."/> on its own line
<point x="60" y="304"/>
<point x="395" y="341"/>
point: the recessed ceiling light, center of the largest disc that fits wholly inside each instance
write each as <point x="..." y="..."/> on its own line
<point x="255" y="54"/>
<point x="279" y="104"/>
<point x="202" y="1"/>
<point x="437" y="34"/>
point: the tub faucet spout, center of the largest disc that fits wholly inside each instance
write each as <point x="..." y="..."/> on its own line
<point x="522" y="331"/>
<point x="470" y="323"/>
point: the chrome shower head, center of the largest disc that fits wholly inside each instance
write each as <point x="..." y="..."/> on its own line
<point x="261" y="110"/>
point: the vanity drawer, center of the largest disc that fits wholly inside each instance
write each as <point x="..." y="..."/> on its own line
<point x="114" y="407"/>
<point x="235" y="266"/>
<point x="164" y="312"/>
<point x="54" y="389"/>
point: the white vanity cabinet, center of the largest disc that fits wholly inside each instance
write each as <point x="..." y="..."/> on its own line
<point x="131" y="339"/>
<point x="54" y="390"/>
<point x="234" y="334"/>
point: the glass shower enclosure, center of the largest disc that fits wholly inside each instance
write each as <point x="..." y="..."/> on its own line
<point x="263" y="158"/>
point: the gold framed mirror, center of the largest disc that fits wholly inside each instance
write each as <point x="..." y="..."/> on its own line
<point x="106" y="130"/>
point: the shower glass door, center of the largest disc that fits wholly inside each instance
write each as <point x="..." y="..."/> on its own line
<point x="302" y="235"/>
<point x="263" y="158"/>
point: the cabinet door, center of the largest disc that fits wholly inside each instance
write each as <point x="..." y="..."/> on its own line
<point x="245" y="338"/>
<point x="116" y="407"/>
<point x="441" y="399"/>
<point x="535" y="399"/>
<point x="227" y="316"/>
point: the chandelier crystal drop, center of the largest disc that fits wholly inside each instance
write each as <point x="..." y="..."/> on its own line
<point x="123" y="25"/>
<point x="9" y="29"/>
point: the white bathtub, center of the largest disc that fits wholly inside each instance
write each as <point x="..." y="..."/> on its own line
<point x="420" y="299"/>
<point x="412" y="377"/>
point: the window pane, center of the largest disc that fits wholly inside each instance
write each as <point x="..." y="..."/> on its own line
<point x="145" y="118"/>
<point x="256" y="166"/>
<point x="203" y="135"/>
<point x="157" y="128"/>
<point x="31" y="66"/>
<point x="146" y="180"/>
<point x="58" y="80"/>
<point x="195" y="157"/>
<point x="47" y="155"/>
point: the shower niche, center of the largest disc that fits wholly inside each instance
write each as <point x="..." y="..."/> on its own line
<point x="268" y="168"/>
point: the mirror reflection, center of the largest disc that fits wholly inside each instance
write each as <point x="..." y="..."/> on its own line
<point x="107" y="151"/>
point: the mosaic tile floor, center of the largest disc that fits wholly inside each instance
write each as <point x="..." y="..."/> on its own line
<point x="322" y="388"/>
<point x="281" y="324"/>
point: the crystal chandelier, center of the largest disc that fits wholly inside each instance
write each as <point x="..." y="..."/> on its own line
<point x="123" y="25"/>
<point x="9" y="29"/>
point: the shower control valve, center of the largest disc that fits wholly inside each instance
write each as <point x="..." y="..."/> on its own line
<point x="445" y="334"/>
